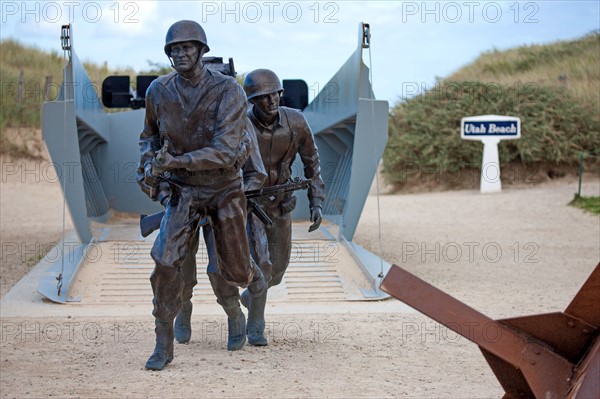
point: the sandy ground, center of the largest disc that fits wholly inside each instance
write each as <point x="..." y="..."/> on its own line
<point x="31" y="215"/>
<point x="519" y="252"/>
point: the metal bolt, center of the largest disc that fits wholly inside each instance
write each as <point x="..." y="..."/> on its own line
<point x="586" y="331"/>
<point x="532" y="362"/>
<point x="571" y="324"/>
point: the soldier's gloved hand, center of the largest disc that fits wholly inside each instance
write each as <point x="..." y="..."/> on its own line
<point x="315" y="218"/>
<point x="141" y="180"/>
<point x="166" y="161"/>
<point x="149" y="178"/>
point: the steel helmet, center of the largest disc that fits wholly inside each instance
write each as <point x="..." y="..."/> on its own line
<point x="185" y="31"/>
<point x="261" y="81"/>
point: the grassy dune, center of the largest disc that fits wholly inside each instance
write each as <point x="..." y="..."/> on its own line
<point x="554" y="89"/>
<point x="20" y="114"/>
<point x="574" y="65"/>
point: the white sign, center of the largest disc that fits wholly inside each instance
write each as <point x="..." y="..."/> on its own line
<point x="490" y="129"/>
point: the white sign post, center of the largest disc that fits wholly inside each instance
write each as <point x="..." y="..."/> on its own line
<point x="490" y="129"/>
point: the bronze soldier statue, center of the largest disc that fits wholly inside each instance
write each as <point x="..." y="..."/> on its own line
<point x="190" y="158"/>
<point x="227" y="295"/>
<point x="281" y="133"/>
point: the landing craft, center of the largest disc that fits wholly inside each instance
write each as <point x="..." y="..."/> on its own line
<point x="101" y="150"/>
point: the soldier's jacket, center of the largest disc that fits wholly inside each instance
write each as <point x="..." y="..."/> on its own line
<point x="279" y="144"/>
<point x="254" y="174"/>
<point x="202" y="117"/>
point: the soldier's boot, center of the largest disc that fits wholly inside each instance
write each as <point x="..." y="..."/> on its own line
<point x="183" y="326"/>
<point x="236" y="334"/>
<point x="257" y="299"/>
<point x="245" y="298"/>
<point x="229" y="298"/>
<point x="163" y="351"/>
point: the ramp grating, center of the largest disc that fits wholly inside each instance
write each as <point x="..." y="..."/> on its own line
<point x="120" y="274"/>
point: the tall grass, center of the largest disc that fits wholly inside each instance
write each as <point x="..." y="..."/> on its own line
<point x="574" y="65"/>
<point x="23" y="115"/>
<point x="36" y="65"/>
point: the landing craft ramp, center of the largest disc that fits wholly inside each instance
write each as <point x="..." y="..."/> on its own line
<point x="117" y="270"/>
<point x="110" y="262"/>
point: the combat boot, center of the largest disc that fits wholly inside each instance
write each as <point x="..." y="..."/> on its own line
<point x="265" y="268"/>
<point x="236" y="334"/>
<point x="163" y="351"/>
<point x="229" y="298"/>
<point x="245" y="298"/>
<point x="257" y="299"/>
<point x="183" y="326"/>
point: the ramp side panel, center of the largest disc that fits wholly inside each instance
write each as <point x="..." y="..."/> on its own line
<point x="88" y="106"/>
<point x="118" y="163"/>
<point x="60" y="136"/>
<point x="338" y="99"/>
<point x="62" y="273"/>
<point x="370" y="139"/>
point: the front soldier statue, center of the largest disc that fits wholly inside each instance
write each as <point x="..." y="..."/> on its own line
<point x="194" y="124"/>
<point x="282" y="133"/>
<point x="227" y="295"/>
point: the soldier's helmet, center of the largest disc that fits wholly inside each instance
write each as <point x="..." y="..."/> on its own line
<point x="185" y="31"/>
<point x="260" y="82"/>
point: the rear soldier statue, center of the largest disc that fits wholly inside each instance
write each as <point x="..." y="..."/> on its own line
<point x="282" y="133"/>
<point x="201" y="115"/>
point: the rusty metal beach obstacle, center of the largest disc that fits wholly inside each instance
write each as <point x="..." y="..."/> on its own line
<point x="551" y="355"/>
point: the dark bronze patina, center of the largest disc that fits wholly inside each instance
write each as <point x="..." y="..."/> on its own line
<point x="201" y="115"/>
<point x="228" y="295"/>
<point x="282" y="134"/>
